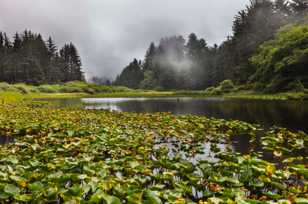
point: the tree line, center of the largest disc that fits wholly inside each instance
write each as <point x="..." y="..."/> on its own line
<point x="30" y="59"/>
<point x="177" y="64"/>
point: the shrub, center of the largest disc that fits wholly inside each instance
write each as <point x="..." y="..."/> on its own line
<point x="47" y="89"/>
<point x="70" y="89"/>
<point x="246" y="87"/>
<point x="77" y="84"/>
<point x="283" y="59"/>
<point x="209" y="90"/>
<point x="296" y="86"/>
<point x="278" y="84"/>
<point x="24" y="88"/>
<point x="89" y="90"/>
<point x="214" y="91"/>
<point x="217" y="91"/>
<point x="7" y="87"/>
<point x="258" y="86"/>
<point x="226" y="85"/>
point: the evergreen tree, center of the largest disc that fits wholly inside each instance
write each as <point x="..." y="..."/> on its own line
<point x="131" y="76"/>
<point x="149" y="58"/>
<point x="52" y="48"/>
<point x="17" y="42"/>
<point x="252" y="26"/>
<point x="198" y="54"/>
<point x="170" y="62"/>
<point x="72" y="68"/>
<point x="1" y="42"/>
<point x="29" y="59"/>
<point x="7" y="43"/>
<point x="194" y="65"/>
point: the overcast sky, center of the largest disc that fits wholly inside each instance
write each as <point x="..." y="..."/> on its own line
<point x="110" y="33"/>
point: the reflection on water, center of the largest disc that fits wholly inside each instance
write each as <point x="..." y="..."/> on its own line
<point x="174" y="149"/>
<point x="5" y="140"/>
<point x="290" y="114"/>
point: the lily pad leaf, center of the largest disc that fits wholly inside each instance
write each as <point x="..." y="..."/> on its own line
<point x="152" y="198"/>
<point x="24" y="198"/>
<point x="37" y="186"/>
<point x="11" y="189"/>
<point x="100" y="196"/>
<point x="301" y="200"/>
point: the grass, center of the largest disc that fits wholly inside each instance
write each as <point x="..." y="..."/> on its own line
<point x="81" y="89"/>
<point x="10" y="97"/>
<point x="70" y="87"/>
<point x="262" y="96"/>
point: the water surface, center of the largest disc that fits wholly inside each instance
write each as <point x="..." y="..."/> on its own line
<point x="5" y="140"/>
<point x="290" y="114"/>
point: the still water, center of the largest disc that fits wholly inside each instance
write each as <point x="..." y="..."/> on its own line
<point x="290" y="114"/>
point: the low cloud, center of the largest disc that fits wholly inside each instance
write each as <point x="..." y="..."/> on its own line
<point x="110" y="33"/>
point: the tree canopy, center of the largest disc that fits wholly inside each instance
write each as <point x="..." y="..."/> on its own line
<point x="282" y="62"/>
<point x="177" y="63"/>
<point x="30" y="59"/>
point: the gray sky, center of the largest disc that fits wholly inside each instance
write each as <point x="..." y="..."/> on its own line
<point x="110" y="33"/>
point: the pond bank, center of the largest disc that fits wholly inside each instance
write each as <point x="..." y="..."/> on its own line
<point x="17" y="96"/>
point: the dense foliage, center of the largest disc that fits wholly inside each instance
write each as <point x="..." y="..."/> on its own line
<point x="176" y="64"/>
<point x="282" y="62"/>
<point x="69" y="87"/>
<point x="83" y="156"/>
<point x="131" y="75"/>
<point x="29" y="59"/>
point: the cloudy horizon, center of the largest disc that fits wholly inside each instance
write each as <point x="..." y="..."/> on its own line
<point x="110" y="33"/>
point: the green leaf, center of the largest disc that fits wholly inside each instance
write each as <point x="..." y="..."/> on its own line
<point x="4" y="195"/>
<point x="101" y="196"/>
<point x="111" y="199"/>
<point x="11" y="189"/>
<point x="12" y="159"/>
<point x="214" y="200"/>
<point x="24" y="197"/>
<point x="70" y="133"/>
<point x="152" y="197"/>
<point x="135" y="198"/>
<point x="37" y="186"/>
<point x="133" y="164"/>
<point x="301" y="200"/>
<point x="284" y="201"/>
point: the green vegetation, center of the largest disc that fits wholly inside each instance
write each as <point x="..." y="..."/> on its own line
<point x="29" y="59"/>
<point x="282" y="62"/>
<point x="71" y="155"/>
<point x="10" y="97"/>
<point x="69" y="87"/>
<point x="254" y="53"/>
<point x="226" y="89"/>
<point x="83" y="156"/>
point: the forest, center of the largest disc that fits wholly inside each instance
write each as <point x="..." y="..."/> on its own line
<point x="32" y="60"/>
<point x="267" y="51"/>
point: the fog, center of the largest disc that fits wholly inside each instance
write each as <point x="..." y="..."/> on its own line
<point x="110" y="33"/>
